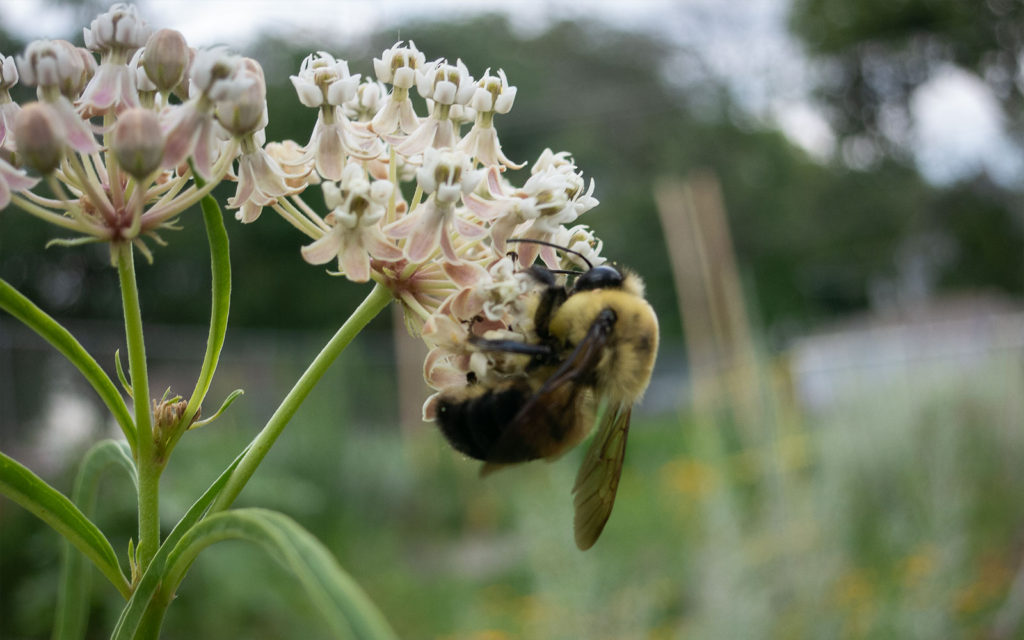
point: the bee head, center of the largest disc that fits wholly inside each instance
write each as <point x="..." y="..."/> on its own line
<point x="601" y="277"/>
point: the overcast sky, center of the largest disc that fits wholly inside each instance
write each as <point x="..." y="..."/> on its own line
<point x="958" y="127"/>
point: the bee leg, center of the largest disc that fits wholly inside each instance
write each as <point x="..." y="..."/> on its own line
<point x="513" y="346"/>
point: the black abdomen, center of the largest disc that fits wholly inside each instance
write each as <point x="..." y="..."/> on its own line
<point x="473" y="425"/>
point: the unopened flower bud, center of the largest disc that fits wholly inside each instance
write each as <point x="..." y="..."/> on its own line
<point x="166" y="59"/>
<point x="120" y="27"/>
<point x="39" y="137"/>
<point x="138" y="142"/>
<point x="245" y="112"/>
<point x="8" y="72"/>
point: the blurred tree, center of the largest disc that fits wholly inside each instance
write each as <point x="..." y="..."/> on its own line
<point x="879" y="51"/>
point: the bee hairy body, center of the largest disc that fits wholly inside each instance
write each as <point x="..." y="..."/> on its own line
<point x="593" y="351"/>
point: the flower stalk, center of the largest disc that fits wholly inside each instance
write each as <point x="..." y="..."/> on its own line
<point x="373" y="304"/>
<point x="149" y="467"/>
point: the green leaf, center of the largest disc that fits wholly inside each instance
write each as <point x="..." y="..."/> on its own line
<point x="339" y="599"/>
<point x="12" y="301"/>
<point x="220" y="268"/>
<point x="72" y="599"/>
<point x="29" y="490"/>
<point x="148" y="586"/>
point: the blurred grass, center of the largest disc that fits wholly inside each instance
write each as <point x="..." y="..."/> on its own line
<point x="895" y="513"/>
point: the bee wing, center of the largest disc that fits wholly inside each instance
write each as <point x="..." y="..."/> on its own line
<point x="560" y="407"/>
<point x="598" y="477"/>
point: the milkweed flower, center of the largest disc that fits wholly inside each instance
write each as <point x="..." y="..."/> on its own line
<point x="446" y="175"/>
<point x="214" y="77"/>
<point x="8" y="107"/>
<point x="116" y="35"/>
<point x="325" y="83"/>
<point x="492" y="95"/>
<point x="397" y="66"/>
<point x="357" y="206"/>
<point x="444" y="85"/>
<point x="57" y="70"/>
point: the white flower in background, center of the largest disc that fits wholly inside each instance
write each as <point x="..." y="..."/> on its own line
<point x="58" y="72"/>
<point x="357" y="207"/>
<point x="366" y="102"/>
<point x="444" y="85"/>
<point x="325" y="83"/>
<point x="397" y="66"/>
<point x="8" y="107"/>
<point x="446" y="175"/>
<point x="116" y="35"/>
<point x="492" y="95"/>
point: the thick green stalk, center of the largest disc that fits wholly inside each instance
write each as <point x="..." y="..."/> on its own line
<point x="370" y="307"/>
<point x="148" y="466"/>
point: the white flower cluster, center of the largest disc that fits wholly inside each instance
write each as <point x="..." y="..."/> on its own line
<point x="444" y="252"/>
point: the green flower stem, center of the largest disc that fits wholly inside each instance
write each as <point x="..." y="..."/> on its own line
<point x="145" y="458"/>
<point x="374" y="303"/>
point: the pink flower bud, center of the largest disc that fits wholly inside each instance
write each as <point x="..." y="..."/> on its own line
<point x="39" y="137"/>
<point x="138" y="143"/>
<point x="166" y="59"/>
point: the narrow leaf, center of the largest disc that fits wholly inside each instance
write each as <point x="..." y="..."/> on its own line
<point x="220" y="268"/>
<point x="344" y="605"/>
<point x="30" y="491"/>
<point x="123" y="379"/>
<point x="12" y="301"/>
<point x="223" y="407"/>
<point x="72" y="599"/>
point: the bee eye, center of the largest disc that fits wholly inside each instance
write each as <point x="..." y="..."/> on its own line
<point x="603" y="277"/>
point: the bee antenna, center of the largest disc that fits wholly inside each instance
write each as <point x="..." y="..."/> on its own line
<point x="554" y="246"/>
<point x="568" y="272"/>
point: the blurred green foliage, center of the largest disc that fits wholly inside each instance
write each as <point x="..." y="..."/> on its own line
<point x="893" y="513"/>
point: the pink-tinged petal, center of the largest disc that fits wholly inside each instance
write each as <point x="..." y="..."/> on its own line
<point x="181" y="134"/>
<point x="404" y="227"/>
<point x="446" y="245"/>
<point x="550" y="258"/>
<point x="422" y="242"/>
<point x="246" y="184"/>
<point x="407" y="116"/>
<point x="79" y="134"/>
<point x="330" y="156"/>
<point x="387" y="119"/>
<point x="360" y="145"/>
<point x="205" y="149"/>
<point x="465" y="274"/>
<point x="323" y="249"/>
<point x="355" y="262"/>
<point x="420" y="139"/>
<point x="249" y="212"/>
<point x="483" y="208"/>
<point x="444" y="136"/>
<point x="494" y="183"/>
<point x="468" y="229"/>
<point x="464" y="304"/>
<point x="379" y="247"/>
<point x="430" y="407"/>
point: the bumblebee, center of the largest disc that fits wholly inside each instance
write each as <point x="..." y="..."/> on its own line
<point x="590" y="356"/>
